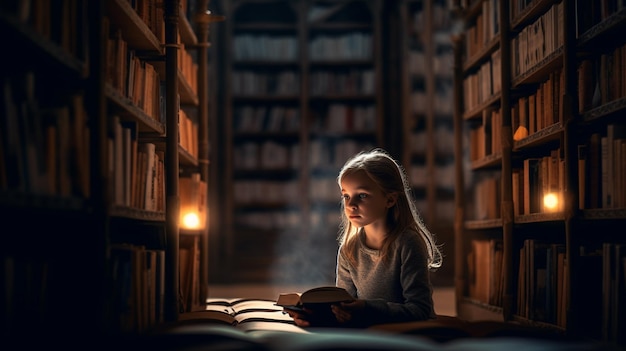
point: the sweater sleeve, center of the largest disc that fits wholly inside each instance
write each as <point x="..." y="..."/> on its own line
<point x="415" y="283"/>
<point x="343" y="277"/>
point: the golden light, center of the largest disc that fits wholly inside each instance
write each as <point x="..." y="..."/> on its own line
<point x="551" y="202"/>
<point x="191" y="221"/>
<point x="520" y="133"/>
<point x="192" y="191"/>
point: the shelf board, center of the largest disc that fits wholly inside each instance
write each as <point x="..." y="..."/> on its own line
<point x="612" y="25"/>
<point x="476" y="112"/>
<point x="541" y="137"/>
<point x="540" y="217"/>
<point x="604" y="214"/>
<point x="484" y="223"/>
<point x="538" y="72"/>
<point x="615" y="106"/>
<point x="129" y="111"/>
<point x="489" y="161"/>
<point x="136" y="213"/>
<point x="137" y="33"/>
<point x="484" y="53"/>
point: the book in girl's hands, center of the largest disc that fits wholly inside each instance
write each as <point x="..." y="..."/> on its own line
<point x="315" y="303"/>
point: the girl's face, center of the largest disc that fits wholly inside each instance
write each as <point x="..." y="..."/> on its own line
<point x="365" y="202"/>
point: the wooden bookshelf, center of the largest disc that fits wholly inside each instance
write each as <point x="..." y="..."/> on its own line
<point x="294" y="110"/>
<point x="91" y="159"/>
<point x="424" y="70"/>
<point x="534" y="122"/>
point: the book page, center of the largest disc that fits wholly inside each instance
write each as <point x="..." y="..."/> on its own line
<point x="264" y="316"/>
<point x="288" y="299"/>
<point x="260" y="326"/>
<point x="208" y="315"/>
<point x="255" y="305"/>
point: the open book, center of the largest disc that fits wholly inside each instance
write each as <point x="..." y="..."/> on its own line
<point x="246" y="314"/>
<point x="315" y="303"/>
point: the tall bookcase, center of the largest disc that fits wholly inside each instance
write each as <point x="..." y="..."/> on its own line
<point x="302" y="92"/>
<point x="539" y="91"/>
<point x="90" y="162"/>
<point x="424" y="101"/>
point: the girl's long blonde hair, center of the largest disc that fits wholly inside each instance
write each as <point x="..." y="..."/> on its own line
<point x="391" y="177"/>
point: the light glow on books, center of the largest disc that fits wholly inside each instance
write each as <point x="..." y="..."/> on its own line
<point x="551" y="202"/>
<point x="191" y="220"/>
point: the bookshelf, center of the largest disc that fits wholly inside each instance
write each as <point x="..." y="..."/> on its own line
<point x="530" y="194"/>
<point x="91" y="155"/>
<point x="424" y="101"/>
<point x="302" y="91"/>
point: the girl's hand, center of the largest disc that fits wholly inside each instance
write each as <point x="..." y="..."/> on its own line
<point x="299" y="318"/>
<point x="345" y="311"/>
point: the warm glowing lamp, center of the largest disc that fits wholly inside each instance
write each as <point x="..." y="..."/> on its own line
<point x="192" y="192"/>
<point x="520" y="133"/>
<point x="191" y="220"/>
<point x="551" y="202"/>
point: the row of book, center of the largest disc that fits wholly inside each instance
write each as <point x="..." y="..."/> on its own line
<point x="187" y="133"/>
<point x="151" y="13"/>
<point x="441" y="19"/>
<point x="275" y="118"/>
<point x="540" y="109"/>
<point x="136" y="168"/>
<point x="440" y="102"/>
<point x="255" y="83"/>
<point x="602" y="168"/>
<point x="485" y="29"/>
<point x="138" y="278"/>
<point x="354" y="81"/>
<point x="485" y="139"/>
<point x="541" y="282"/>
<point x="444" y="173"/>
<point x="487" y="194"/>
<point x="483" y="84"/>
<point x="265" y="47"/>
<point x="265" y="191"/>
<point x="418" y="142"/>
<point x="29" y="125"/>
<point x="326" y="154"/>
<point x="485" y="274"/>
<point x="442" y="63"/>
<point x="538" y="40"/>
<point x="341" y="117"/>
<point x="602" y="79"/>
<point x="133" y="77"/>
<point x="539" y="186"/>
<point x="350" y="46"/>
<point x="266" y="155"/>
<point x="269" y="219"/>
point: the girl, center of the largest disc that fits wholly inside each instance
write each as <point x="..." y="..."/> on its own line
<point x="385" y="250"/>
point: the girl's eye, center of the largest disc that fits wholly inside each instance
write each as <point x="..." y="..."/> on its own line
<point x="362" y="196"/>
<point x="345" y="197"/>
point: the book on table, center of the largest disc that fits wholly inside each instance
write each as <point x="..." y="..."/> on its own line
<point x="244" y="313"/>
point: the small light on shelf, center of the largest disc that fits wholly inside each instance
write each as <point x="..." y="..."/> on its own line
<point x="520" y="133"/>
<point x="190" y="221"/>
<point x="551" y="202"/>
<point x="192" y="202"/>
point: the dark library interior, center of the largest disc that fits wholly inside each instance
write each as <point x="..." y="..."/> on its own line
<point x="169" y="167"/>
